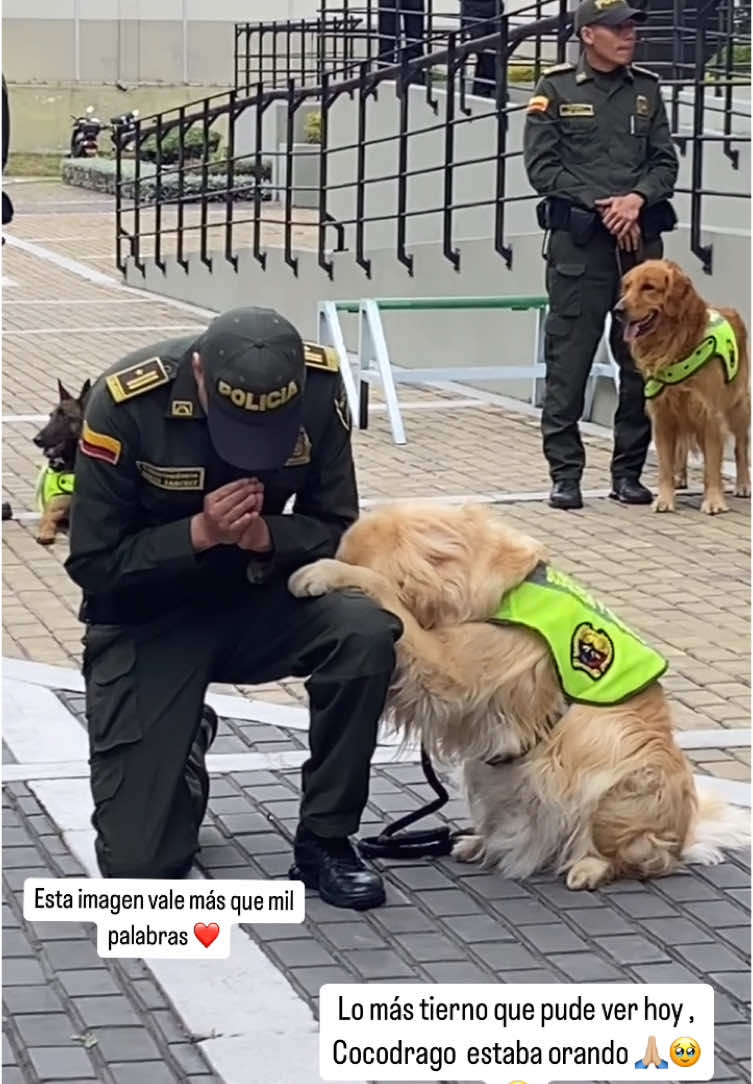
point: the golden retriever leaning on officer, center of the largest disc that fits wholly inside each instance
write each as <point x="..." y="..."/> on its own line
<point x="559" y="721"/>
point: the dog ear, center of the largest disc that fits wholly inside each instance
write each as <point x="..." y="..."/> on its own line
<point x="63" y="393"/>
<point x="677" y="291"/>
<point x="84" y="393"/>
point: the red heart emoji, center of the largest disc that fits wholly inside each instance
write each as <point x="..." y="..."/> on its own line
<point x="206" y="934"/>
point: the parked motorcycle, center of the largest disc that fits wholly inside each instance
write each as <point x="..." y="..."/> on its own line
<point x="123" y="128"/>
<point x="85" y="134"/>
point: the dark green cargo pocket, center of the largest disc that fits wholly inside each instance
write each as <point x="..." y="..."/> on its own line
<point x="112" y="704"/>
<point x="106" y="777"/>
<point x="564" y="285"/>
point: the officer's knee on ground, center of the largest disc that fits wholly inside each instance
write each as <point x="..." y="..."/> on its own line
<point x="366" y="634"/>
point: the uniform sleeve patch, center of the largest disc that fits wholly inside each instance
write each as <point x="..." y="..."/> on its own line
<point x="576" y="109"/>
<point x="137" y="379"/>
<point x="537" y="104"/>
<point x="321" y="357"/>
<point x="99" y="445"/>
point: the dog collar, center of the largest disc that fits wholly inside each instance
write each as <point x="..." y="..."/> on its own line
<point x="719" y="341"/>
<point x="53" y="483"/>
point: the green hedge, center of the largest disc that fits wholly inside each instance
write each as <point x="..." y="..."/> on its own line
<point x="99" y="175"/>
<point x="193" y="146"/>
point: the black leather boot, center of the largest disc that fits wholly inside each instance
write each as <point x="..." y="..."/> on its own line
<point x="566" y="494"/>
<point x="630" y="491"/>
<point x="335" y="869"/>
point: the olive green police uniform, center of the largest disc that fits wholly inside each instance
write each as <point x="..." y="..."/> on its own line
<point x="162" y="621"/>
<point x="590" y="135"/>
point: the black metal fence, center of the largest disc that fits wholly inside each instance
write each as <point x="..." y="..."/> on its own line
<point x="215" y="203"/>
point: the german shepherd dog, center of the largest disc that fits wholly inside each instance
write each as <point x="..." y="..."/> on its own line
<point x="59" y="441"/>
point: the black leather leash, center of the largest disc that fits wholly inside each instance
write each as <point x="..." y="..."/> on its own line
<point x="393" y="842"/>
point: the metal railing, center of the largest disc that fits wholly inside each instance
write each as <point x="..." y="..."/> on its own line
<point x="175" y="207"/>
<point x="380" y="33"/>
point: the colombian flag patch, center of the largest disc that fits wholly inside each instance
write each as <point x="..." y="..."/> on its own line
<point x="539" y="104"/>
<point x="99" y="445"/>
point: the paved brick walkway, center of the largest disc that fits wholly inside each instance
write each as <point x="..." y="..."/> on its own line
<point x="682" y="580"/>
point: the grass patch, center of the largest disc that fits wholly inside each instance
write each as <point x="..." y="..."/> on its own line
<point x="33" y="165"/>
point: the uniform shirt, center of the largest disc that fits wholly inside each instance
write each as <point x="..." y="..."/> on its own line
<point x="590" y="135"/>
<point x="144" y="465"/>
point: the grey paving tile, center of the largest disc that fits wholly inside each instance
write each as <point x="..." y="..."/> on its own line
<point x="450" y="901"/>
<point x="736" y="983"/>
<point x="126" y="1044"/>
<point x="61" y="1063"/>
<point x="13" y="1076"/>
<point x="15" y="943"/>
<point x="311" y="979"/>
<point x="685" y="886"/>
<point x="59" y="931"/>
<point x="677" y="931"/>
<point x="50" y="1029"/>
<point x="352" y="935"/>
<point x="429" y="946"/>
<point x="600" y="921"/>
<point x="300" y="953"/>
<point x="31" y="999"/>
<point x="725" y="1012"/>
<point x="734" y="1039"/>
<point x="631" y="949"/>
<point x="264" y="843"/>
<point x="741" y="896"/>
<point x="244" y="822"/>
<point x="555" y="937"/>
<point x="524" y="912"/>
<point x="88" y="983"/>
<point x="403" y="920"/>
<point x="726" y="875"/>
<point x="472" y="928"/>
<point x="457" y="972"/>
<point x="22" y="972"/>
<point x="561" y="898"/>
<point x="713" y="957"/>
<point x="170" y="1026"/>
<point x="278" y="931"/>
<point x="9" y="1056"/>
<point x="493" y="886"/>
<point x="738" y="937"/>
<point x="671" y="972"/>
<point x="645" y="905"/>
<point x="149" y="993"/>
<point x="379" y="963"/>
<point x="14" y="857"/>
<point x="586" y="967"/>
<point x="189" y="1059"/>
<point x="505" y="956"/>
<point x="537" y="975"/>
<point x="72" y="955"/>
<point x="222" y="856"/>
<point x="114" y="1010"/>
<point x="718" y="914"/>
<point x="144" y="1072"/>
<point x="15" y="878"/>
<point x="421" y="877"/>
<point x="275" y="865"/>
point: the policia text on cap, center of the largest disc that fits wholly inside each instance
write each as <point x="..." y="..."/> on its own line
<point x="189" y="454"/>
<point x="597" y="147"/>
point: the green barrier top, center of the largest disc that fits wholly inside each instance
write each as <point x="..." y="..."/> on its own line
<point x="417" y="303"/>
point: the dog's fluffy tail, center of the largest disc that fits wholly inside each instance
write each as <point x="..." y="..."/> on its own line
<point x="717" y="826"/>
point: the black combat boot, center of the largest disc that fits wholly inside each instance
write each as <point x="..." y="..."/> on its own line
<point x="334" y="868"/>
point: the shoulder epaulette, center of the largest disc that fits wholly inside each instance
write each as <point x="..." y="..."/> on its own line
<point x="321" y="357"/>
<point x="559" y="68"/>
<point x="138" y="379"/>
<point x="645" y="71"/>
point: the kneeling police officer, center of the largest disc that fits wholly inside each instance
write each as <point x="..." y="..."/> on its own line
<point x="189" y="454"/>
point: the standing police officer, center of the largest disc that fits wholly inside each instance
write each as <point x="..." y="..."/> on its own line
<point x="597" y="146"/>
<point x="189" y="453"/>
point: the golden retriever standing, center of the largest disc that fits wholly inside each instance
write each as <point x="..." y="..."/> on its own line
<point x="596" y="792"/>
<point x="665" y="322"/>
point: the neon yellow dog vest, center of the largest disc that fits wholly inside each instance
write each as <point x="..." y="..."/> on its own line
<point x="719" y="341"/>
<point x="53" y="483"/>
<point x="599" y="660"/>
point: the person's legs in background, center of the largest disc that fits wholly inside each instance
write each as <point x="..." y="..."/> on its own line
<point x="632" y="427"/>
<point x="580" y="283"/>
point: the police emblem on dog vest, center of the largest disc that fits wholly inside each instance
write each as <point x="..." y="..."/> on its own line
<point x="719" y="341"/>
<point x="598" y="659"/>
<point x="53" y="483"/>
